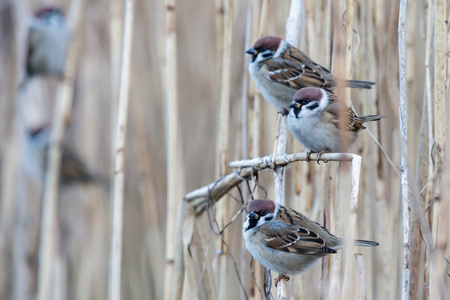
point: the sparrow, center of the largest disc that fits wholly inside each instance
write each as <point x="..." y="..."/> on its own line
<point x="279" y="70"/>
<point x="286" y="241"/>
<point x="321" y="123"/>
<point x="49" y="37"/>
<point x="73" y="169"/>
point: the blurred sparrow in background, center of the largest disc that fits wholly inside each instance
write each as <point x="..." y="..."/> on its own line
<point x="49" y="36"/>
<point x="321" y="123"/>
<point x="279" y="70"/>
<point x="286" y="241"/>
<point x="73" y="169"/>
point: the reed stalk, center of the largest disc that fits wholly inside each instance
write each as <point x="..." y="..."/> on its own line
<point x="406" y="201"/>
<point x="115" y="271"/>
<point x="173" y="159"/>
<point x="440" y="204"/>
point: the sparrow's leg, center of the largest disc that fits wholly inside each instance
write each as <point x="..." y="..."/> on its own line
<point x="320" y="154"/>
<point x="279" y="277"/>
<point x="308" y="155"/>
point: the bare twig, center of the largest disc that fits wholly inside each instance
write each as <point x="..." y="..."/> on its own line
<point x="114" y="284"/>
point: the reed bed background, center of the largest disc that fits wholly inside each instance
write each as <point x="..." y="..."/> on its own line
<point x="192" y="108"/>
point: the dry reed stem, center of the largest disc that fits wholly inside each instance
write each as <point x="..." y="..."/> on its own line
<point x="64" y="96"/>
<point x="440" y="204"/>
<point x="224" y="210"/>
<point x="173" y="160"/>
<point x="351" y="228"/>
<point x="249" y="285"/>
<point x="292" y="35"/>
<point x="349" y="15"/>
<point x="406" y="201"/>
<point x="115" y="271"/>
<point x="115" y="36"/>
<point x="360" y="277"/>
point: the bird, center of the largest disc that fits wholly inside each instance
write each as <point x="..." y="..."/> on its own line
<point x="72" y="170"/>
<point x="49" y="37"/>
<point x="323" y="124"/>
<point x="279" y="70"/>
<point x="286" y="241"/>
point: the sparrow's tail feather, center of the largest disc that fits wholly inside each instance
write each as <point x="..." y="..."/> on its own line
<point x="365" y="243"/>
<point x="371" y="118"/>
<point x="360" y="84"/>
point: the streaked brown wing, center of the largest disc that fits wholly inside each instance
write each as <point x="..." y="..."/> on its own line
<point x="349" y="120"/>
<point x="296" y="239"/>
<point x="296" y="70"/>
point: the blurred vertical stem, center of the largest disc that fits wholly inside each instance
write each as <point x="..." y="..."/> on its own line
<point x="64" y="96"/>
<point x="223" y="211"/>
<point x="440" y="205"/>
<point x="172" y="128"/>
<point x="406" y="201"/>
<point x="248" y="283"/>
<point x="115" y="271"/>
<point x="115" y="37"/>
<point x="349" y="16"/>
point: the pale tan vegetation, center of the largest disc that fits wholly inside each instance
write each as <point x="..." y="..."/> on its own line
<point x="193" y="109"/>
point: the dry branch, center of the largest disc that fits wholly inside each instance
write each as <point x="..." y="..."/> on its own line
<point x="114" y="284"/>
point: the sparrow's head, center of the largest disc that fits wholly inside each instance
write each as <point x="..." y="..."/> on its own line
<point x="264" y="48"/>
<point x="49" y="14"/>
<point x="309" y="100"/>
<point x="259" y="213"/>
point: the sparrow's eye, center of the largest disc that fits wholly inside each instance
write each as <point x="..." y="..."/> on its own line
<point x="262" y="213"/>
<point x="305" y="101"/>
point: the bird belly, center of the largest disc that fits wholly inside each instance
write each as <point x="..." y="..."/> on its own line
<point x="281" y="262"/>
<point x="275" y="93"/>
<point x="314" y="134"/>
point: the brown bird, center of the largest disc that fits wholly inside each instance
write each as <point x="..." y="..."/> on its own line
<point x="279" y="70"/>
<point x="286" y="241"/>
<point x="321" y="123"/>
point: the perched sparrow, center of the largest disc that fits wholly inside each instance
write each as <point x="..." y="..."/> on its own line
<point x="48" y="41"/>
<point x="321" y="123"/>
<point x="279" y="70"/>
<point x="286" y="241"/>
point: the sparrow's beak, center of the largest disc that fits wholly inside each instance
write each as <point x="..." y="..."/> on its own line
<point x="253" y="216"/>
<point x="251" y="51"/>
<point x="294" y="104"/>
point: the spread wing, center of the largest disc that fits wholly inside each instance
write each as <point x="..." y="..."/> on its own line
<point x="296" y="239"/>
<point x="296" y="70"/>
<point x="342" y="117"/>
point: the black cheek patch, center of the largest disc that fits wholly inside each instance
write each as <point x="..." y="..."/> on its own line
<point x="313" y="106"/>
<point x="268" y="218"/>
<point x="252" y="223"/>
